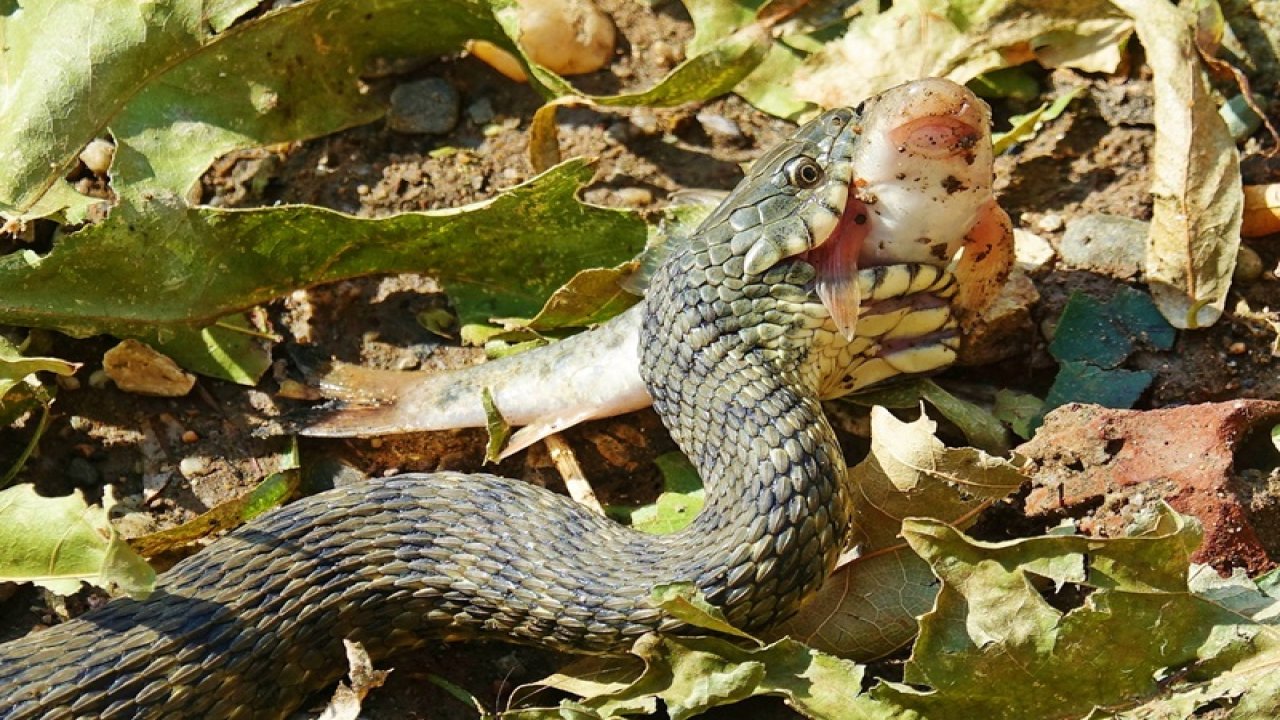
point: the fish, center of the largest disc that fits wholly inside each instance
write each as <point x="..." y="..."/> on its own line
<point x="922" y="193"/>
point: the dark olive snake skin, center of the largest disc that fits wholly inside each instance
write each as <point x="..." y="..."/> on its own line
<point x="247" y="627"/>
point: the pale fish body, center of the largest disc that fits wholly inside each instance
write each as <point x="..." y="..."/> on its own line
<point x="922" y="191"/>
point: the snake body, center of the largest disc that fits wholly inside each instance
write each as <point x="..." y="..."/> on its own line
<point x="247" y="627"/>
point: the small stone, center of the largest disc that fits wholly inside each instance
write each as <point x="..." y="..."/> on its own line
<point x="331" y="472"/>
<point x="191" y="467"/>
<point x="190" y="436"/>
<point x="424" y="107"/>
<point x="1005" y="327"/>
<point x="1248" y="265"/>
<point x="1051" y="222"/>
<point x="645" y="122"/>
<point x="1106" y="244"/>
<point x="79" y="423"/>
<point x="1032" y="252"/>
<point x="569" y="38"/>
<point x="1238" y="348"/>
<point x="97" y="156"/>
<point x="719" y="126"/>
<point x="635" y="196"/>
<point x="481" y="112"/>
<point x="665" y="54"/>
<point x="98" y="379"/>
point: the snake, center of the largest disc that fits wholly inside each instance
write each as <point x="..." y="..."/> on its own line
<point x="733" y="325"/>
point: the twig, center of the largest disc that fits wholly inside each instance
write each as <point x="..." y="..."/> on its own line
<point x="565" y="461"/>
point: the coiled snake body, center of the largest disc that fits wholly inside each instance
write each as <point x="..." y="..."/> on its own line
<point x="245" y="628"/>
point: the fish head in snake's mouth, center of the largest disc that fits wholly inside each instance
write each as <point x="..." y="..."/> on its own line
<point x="922" y="174"/>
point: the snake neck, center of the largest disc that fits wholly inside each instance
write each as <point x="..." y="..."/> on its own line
<point x="777" y="505"/>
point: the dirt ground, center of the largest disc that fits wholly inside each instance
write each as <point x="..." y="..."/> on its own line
<point x="1094" y="159"/>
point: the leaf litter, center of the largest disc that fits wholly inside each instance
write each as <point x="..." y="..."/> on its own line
<point x="1183" y="692"/>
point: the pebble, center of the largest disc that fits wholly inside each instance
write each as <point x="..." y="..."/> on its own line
<point x="665" y="54"/>
<point x="635" y="196"/>
<point x="79" y="423"/>
<point x="1238" y="348"/>
<point x="190" y="436"/>
<point x="193" y="466"/>
<point x="718" y="125"/>
<point x="1032" y="252"/>
<point x="645" y="122"/>
<point x="97" y="156"/>
<point x="1248" y="265"/>
<point x="98" y="379"/>
<point x="1106" y="244"/>
<point x="1052" y="222"/>
<point x="621" y="131"/>
<point x="424" y="107"/>
<point x="481" y="112"/>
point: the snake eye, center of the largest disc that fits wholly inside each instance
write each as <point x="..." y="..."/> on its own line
<point x="804" y="172"/>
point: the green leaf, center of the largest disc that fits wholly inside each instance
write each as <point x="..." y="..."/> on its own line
<point x="104" y="279"/>
<point x="272" y="492"/>
<point x="1018" y="410"/>
<point x="957" y="39"/>
<point x="58" y="543"/>
<point x="589" y="298"/>
<point x="1024" y="127"/>
<point x="231" y="349"/>
<point x="14" y="367"/>
<point x="979" y="426"/>
<point x="174" y="83"/>
<point x="681" y="499"/>
<point x="868" y="607"/>
<point x="682" y="600"/>
<point x="1014" y="83"/>
<point x="694" y="674"/>
<point x="1058" y="626"/>
<point x="495" y="425"/>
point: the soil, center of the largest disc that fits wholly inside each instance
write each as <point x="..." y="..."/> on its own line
<point x="1093" y="159"/>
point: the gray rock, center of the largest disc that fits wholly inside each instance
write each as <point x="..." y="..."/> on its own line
<point x="424" y="107"/>
<point x="1106" y="244"/>
<point x="481" y="112"/>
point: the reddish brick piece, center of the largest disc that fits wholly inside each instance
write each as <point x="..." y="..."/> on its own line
<point x="1117" y="461"/>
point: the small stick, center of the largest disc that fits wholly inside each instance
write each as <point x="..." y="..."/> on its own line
<point x="577" y="483"/>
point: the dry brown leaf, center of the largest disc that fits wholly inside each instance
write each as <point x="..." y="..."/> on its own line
<point x="1195" y="225"/>
<point x="868" y="608"/>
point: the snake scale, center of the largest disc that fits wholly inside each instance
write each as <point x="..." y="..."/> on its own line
<point x="247" y="627"/>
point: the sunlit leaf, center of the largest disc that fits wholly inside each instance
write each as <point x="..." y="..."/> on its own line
<point x="59" y="542"/>
<point x="1060" y="626"/>
<point x="1195" y="224"/>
